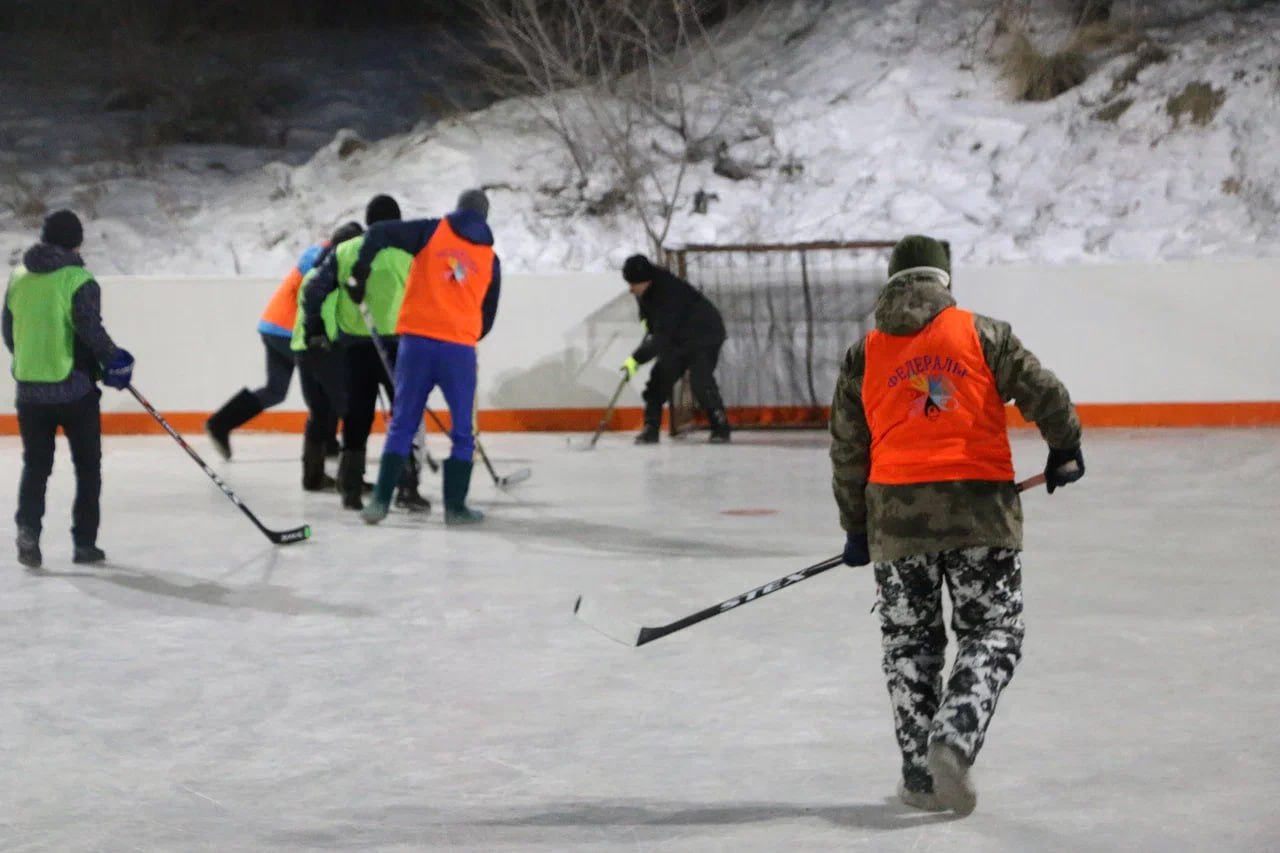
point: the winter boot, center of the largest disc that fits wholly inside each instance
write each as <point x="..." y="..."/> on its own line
<point x="457" y="482"/>
<point x="923" y="800"/>
<point x="719" y="426"/>
<point x="314" y="479"/>
<point x="389" y="468"/>
<point x="88" y="554"/>
<point x="649" y="435"/>
<point x="407" y="496"/>
<point x="351" y="478"/>
<point x="29" y="548"/>
<point x="240" y="409"/>
<point x="951" y="783"/>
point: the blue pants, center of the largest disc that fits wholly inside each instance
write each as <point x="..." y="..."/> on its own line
<point x="423" y="364"/>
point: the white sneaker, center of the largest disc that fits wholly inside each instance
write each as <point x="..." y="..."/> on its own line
<point x="951" y="783"/>
<point x="919" y="799"/>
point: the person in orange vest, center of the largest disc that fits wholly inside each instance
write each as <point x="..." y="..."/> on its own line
<point x="276" y="330"/>
<point x="450" y="301"/>
<point x="924" y="481"/>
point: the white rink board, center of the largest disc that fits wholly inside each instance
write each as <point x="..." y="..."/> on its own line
<point x="1177" y="332"/>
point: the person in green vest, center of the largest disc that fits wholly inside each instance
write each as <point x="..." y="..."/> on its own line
<point x="363" y="356"/>
<point x="53" y="328"/>
<point x="320" y="375"/>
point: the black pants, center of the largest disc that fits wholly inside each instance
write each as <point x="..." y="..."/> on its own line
<point x="699" y="358"/>
<point x="364" y="374"/>
<point x="280" y="365"/>
<point x="80" y="422"/>
<point x="322" y="376"/>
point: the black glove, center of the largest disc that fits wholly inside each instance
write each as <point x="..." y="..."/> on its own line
<point x="1063" y="467"/>
<point x="317" y="339"/>
<point x="855" y="550"/>
<point x="356" y="289"/>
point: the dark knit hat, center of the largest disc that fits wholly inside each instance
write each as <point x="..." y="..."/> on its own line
<point x="62" y="228"/>
<point x="345" y="232"/>
<point x="380" y="209"/>
<point x="474" y="200"/>
<point x="637" y="268"/>
<point x="915" y="251"/>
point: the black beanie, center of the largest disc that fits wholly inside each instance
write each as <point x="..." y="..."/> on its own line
<point x="916" y="250"/>
<point x="637" y="268"/>
<point x="345" y="232"/>
<point x="380" y="209"/>
<point x="62" y="228"/>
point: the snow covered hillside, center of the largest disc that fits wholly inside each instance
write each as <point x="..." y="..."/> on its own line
<point x="879" y="118"/>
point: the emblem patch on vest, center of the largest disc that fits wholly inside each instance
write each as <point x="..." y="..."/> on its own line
<point x="459" y="266"/>
<point x="932" y="395"/>
<point x="928" y="380"/>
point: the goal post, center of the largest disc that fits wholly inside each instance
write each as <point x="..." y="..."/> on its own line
<point x="791" y="311"/>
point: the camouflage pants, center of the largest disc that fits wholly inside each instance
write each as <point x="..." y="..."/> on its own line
<point x="986" y="599"/>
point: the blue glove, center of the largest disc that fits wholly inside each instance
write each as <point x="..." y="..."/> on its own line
<point x="855" y="550"/>
<point x="1063" y="467"/>
<point x="119" y="370"/>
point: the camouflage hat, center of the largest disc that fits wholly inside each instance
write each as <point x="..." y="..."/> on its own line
<point x="916" y="251"/>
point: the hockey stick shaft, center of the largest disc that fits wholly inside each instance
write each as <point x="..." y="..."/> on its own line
<point x="608" y="412"/>
<point x="279" y="537"/>
<point x="391" y="377"/>
<point x="517" y="477"/>
<point x="648" y="635"/>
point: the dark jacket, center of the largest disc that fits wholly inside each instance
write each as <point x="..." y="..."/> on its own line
<point x="93" y="346"/>
<point x="923" y="518"/>
<point x="676" y="316"/>
<point x="412" y="236"/>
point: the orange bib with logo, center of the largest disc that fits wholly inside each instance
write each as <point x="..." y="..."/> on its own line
<point x="932" y="406"/>
<point x="445" y="291"/>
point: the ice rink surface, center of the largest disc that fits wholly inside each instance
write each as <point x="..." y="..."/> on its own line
<point x="412" y="687"/>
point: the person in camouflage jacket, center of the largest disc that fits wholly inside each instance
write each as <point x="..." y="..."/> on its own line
<point x="924" y="482"/>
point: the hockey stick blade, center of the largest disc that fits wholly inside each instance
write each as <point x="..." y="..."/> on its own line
<point x="515" y="477"/>
<point x="617" y="630"/>
<point x="277" y="537"/>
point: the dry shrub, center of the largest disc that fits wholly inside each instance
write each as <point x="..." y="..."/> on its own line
<point x="1041" y="77"/>
<point x="1149" y="53"/>
<point x="1112" y="111"/>
<point x="1199" y="102"/>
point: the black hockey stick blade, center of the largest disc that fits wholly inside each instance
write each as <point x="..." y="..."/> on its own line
<point x="277" y="537"/>
<point x="637" y="635"/>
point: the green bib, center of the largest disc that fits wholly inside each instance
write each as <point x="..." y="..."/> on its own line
<point x="384" y="290"/>
<point x="44" y="337"/>
<point x="328" y="313"/>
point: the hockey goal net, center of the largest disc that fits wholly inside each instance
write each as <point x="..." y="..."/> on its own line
<point x="791" y="312"/>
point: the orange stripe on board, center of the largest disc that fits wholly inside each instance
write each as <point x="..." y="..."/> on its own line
<point x="585" y="420"/>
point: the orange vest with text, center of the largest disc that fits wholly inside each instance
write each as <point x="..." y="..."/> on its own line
<point x="932" y="406"/>
<point x="446" y="288"/>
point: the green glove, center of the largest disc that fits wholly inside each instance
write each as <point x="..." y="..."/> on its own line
<point x="630" y="366"/>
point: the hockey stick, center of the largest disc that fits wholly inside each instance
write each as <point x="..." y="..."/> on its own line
<point x="420" y="437"/>
<point x="501" y="482"/>
<point x="604" y="419"/>
<point x="634" y="635"/>
<point x="279" y="537"/>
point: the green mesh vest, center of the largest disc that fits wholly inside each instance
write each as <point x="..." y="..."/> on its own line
<point x="384" y="290"/>
<point x="44" y="336"/>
